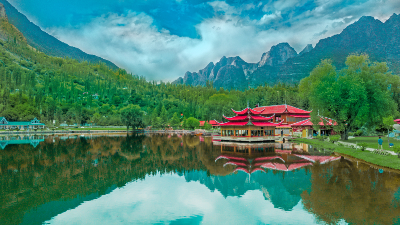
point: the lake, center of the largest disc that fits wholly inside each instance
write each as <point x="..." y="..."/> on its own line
<point x="173" y="179"/>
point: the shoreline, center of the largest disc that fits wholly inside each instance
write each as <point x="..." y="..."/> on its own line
<point x="102" y="131"/>
<point x="391" y="162"/>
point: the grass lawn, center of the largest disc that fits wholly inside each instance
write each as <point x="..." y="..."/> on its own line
<point x="390" y="161"/>
<point x="373" y="142"/>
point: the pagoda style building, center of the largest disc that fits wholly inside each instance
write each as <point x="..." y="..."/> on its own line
<point x="286" y="113"/>
<point x="250" y="125"/>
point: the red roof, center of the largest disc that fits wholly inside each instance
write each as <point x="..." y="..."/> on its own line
<point x="300" y="116"/>
<point x="244" y="111"/>
<point x="235" y="163"/>
<point x="213" y="123"/>
<point x="233" y="123"/>
<point x="280" y="109"/>
<point x="236" y="118"/>
<point x="241" y="169"/>
<point x="307" y="122"/>
<point x="269" y="158"/>
<point x="321" y="159"/>
<point x="202" y="123"/>
<point x="230" y="158"/>
<point x="266" y="124"/>
<point x="282" y="167"/>
<point x="261" y="117"/>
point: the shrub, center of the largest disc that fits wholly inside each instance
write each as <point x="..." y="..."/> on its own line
<point x="351" y="133"/>
<point x="363" y="146"/>
<point x="358" y="133"/>
<point x="340" y="145"/>
<point x="396" y="149"/>
<point x="320" y="138"/>
<point x="334" y="138"/>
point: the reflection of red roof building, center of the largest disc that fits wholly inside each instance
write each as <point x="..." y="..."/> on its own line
<point x="321" y="159"/>
<point x="284" y="162"/>
<point x="283" y="167"/>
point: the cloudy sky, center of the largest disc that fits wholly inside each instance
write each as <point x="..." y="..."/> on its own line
<point x="162" y="39"/>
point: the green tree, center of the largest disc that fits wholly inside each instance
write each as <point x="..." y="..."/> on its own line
<point x="192" y="123"/>
<point x="355" y="96"/>
<point x="132" y="115"/>
<point x="175" y="122"/>
<point x="164" y="115"/>
<point x="207" y="126"/>
<point x="388" y="123"/>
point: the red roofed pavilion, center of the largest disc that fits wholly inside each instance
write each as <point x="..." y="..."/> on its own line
<point x="287" y="113"/>
<point x="251" y="125"/>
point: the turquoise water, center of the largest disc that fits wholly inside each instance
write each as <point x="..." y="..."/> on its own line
<point x="189" y="180"/>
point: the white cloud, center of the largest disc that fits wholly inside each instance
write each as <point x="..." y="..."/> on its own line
<point x="132" y="41"/>
<point x="267" y="18"/>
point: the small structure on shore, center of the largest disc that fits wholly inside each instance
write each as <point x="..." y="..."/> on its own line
<point x="21" y="125"/>
<point x="306" y="127"/>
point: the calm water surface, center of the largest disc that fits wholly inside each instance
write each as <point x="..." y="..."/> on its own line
<point x="174" y="179"/>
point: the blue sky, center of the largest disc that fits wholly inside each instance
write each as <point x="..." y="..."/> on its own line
<point x="162" y="39"/>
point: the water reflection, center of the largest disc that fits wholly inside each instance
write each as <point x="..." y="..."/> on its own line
<point x="188" y="179"/>
<point x="33" y="140"/>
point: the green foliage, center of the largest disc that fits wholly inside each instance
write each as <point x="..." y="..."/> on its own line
<point x="363" y="145"/>
<point x="396" y="149"/>
<point x="132" y="116"/>
<point x="354" y="96"/>
<point x="334" y="138"/>
<point x="207" y="126"/>
<point x="320" y="138"/>
<point x="358" y="132"/>
<point x="192" y="123"/>
<point x="175" y="122"/>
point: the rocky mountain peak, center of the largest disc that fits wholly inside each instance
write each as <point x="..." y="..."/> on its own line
<point x="277" y="55"/>
<point x="3" y="11"/>
<point x="394" y="20"/>
<point x="308" y="48"/>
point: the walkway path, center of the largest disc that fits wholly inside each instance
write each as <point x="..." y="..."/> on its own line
<point x="369" y="149"/>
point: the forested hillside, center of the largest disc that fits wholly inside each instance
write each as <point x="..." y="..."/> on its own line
<point x="33" y="84"/>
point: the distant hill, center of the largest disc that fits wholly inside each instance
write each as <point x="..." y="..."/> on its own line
<point x="46" y="43"/>
<point x="282" y="63"/>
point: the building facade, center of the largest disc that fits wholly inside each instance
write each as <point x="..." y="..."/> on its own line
<point x="250" y="125"/>
<point x="21" y="125"/>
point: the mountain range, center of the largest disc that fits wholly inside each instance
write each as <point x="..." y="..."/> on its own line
<point x="380" y="40"/>
<point x="46" y="43"/>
